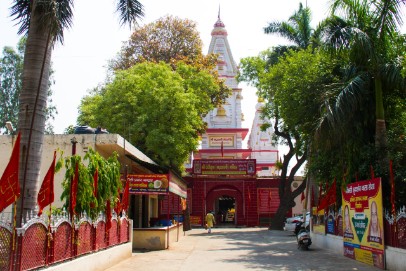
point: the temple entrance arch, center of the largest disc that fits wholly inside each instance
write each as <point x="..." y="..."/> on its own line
<point x="226" y="202"/>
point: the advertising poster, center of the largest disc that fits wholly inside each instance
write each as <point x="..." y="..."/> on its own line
<point x="319" y="223"/>
<point x="148" y="183"/>
<point x="363" y="222"/>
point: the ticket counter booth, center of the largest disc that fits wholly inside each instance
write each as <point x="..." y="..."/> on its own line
<point x="157" y="204"/>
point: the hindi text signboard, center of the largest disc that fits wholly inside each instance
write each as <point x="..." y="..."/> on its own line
<point x="224" y="167"/>
<point x="363" y="222"/>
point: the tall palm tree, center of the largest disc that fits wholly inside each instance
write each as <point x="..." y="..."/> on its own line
<point x="44" y="22"/>
<point x="296" y="30"/>
<point x="364" y="31"/>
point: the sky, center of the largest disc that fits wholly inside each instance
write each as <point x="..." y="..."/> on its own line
<point x="96" y="36"/>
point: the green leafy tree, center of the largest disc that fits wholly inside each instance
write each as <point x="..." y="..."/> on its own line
<point x="168" y="39"/>
<point x="108" y="186"/>
<point x="11" y="69"/>
<point x="44" y="23"/>
<point x="293" y="89"/>
<point x="364" y="32"/>
<point x="160" y="108"/>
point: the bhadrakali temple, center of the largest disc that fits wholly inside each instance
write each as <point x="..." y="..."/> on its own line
<point x="238" y="185"/>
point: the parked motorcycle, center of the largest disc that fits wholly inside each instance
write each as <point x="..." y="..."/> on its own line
<point x="303" y="236"/>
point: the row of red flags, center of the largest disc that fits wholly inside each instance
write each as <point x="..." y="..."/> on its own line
<point x="10" y="187"/>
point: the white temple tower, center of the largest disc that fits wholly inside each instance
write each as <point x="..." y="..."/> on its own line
<point x="224" y="122"/>
<point x="260" y="143"/>
<point x="224" y="136"/>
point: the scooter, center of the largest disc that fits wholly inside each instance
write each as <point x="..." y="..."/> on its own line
<point x="303" y="237"/>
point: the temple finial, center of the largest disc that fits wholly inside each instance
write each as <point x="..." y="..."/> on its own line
<point x="219" y="12"/>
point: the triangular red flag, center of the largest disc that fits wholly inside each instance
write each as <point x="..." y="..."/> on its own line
<point x="9" y="185"/>
<point x="108" y="215"/>
<point x="74" y="191"/>
<point x="126" y="194"/>
<point x="46" y="192"/>
<point x="302" y="197"/>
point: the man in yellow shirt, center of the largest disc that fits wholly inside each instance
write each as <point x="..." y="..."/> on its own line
<point x="210" y="221"/>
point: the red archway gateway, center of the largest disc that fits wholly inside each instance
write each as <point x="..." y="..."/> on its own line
<point x="231" y="191"/>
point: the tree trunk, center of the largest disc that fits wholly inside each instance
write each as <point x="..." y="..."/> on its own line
<point x="31" y="121"/>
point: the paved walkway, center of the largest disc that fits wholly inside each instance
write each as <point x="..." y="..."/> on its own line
<point x="239" y="249"/>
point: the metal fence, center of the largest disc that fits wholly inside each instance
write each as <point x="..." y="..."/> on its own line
<point x="42" y="241"/>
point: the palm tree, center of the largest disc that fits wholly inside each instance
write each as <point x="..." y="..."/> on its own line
<point x="297" y="29"/>
<point x="44" y="22"/>
<point x="364" y="34"/>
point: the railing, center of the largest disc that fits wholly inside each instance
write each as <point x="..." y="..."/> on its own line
<point x="394" y="227"/>
<point x="42" y="241"/>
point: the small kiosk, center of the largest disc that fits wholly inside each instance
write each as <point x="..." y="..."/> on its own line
<point x="158" y="214"/>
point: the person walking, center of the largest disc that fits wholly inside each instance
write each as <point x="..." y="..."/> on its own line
<point x="210" y="221"/>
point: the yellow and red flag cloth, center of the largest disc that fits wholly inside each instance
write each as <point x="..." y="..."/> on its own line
<point x="46" y="192"/>
<point x="9" y="185"/>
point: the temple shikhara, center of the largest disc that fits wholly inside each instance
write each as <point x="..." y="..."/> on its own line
<point x="239" y="185"/>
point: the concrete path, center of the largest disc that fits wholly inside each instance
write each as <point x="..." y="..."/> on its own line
<point x="239" y="249"/>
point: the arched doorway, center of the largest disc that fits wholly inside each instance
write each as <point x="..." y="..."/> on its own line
<point x="226" y="202"/>
<point x="225" y="210"/>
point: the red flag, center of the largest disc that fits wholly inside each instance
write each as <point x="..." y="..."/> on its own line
<point x="46" y="192"/>
<point x="9" y="185"/>
<point x="95" y="182"/>
<point x="124" y="200"/>
<point x="332" y="193"/>
<point x="392" y="190"/>
<point x="222" y="149"/>
<point x="74" y="191"/>
<point x="302" y="197"/>
<point x="108" y="215"/>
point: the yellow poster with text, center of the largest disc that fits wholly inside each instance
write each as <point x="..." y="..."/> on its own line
<point x="363" y="222"/>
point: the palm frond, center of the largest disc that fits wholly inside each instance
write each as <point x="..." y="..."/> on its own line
<point x="336" y="108"/>
<point x="55" y="16"/>
<point x="388" y="16"/>
<point x="22" y="12"/>
<point x="130" y="11"/>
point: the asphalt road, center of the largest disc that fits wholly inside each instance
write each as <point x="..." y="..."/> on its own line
<point x="231" y="249"/>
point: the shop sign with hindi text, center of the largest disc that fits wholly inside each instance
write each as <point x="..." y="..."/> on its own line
<point x="224" y="167"/>
<point x="363" y="222"/>
<point x="148" y="183"/>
